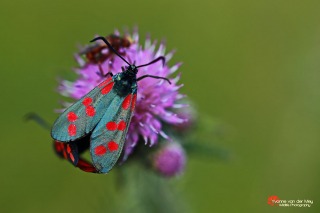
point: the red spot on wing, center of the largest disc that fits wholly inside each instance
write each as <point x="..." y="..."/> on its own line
<point x="126" y="102"/>
<point x="72" y="117"/>
<point x="72" y="130"/>
<point x="104" y="83"/>
<point x="90" y="111"/>
<point x="87" y="101"/>
<point x="122" y="126"/>
<point x="100" y="150"/>
<point x="107" y="89"/>
<point x="113" y="146"/>
<point x="134" y="99"/>
<point x="111" y="126"/>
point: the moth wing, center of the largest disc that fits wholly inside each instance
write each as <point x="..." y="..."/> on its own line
<point x="81" y="117"/>
<point x="108" y="137"/>
<point x="67" y="151"/>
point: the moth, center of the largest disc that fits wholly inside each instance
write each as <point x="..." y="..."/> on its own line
<point x="101" y="117"/>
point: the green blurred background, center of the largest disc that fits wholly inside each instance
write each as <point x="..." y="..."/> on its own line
<point x="253" y="65"/>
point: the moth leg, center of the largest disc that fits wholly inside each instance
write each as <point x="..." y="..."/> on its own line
<point x="153" y="76"/>
<point x="101" y="73"/>
<point x="100" y="69"/>
<point x="109" y="73"/>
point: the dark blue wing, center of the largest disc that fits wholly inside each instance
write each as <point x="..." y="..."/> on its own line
<point x="109" y="135"/>
<point x="80" y="118"/>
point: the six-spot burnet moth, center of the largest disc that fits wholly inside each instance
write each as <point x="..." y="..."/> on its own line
<point x="102" y="117"/>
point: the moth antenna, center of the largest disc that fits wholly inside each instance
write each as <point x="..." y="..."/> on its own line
<point x="163" y="59"/>
<point x="109" y="45"/>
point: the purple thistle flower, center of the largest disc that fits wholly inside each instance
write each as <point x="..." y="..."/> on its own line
<point x="169" y="160"/>
<point x="156" y="99"/>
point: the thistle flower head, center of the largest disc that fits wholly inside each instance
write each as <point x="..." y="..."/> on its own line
<point x="169" y="160"/>
<point x="157" y="101"/>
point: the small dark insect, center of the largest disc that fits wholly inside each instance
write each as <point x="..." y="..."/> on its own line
<point x="96" y="54"/>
